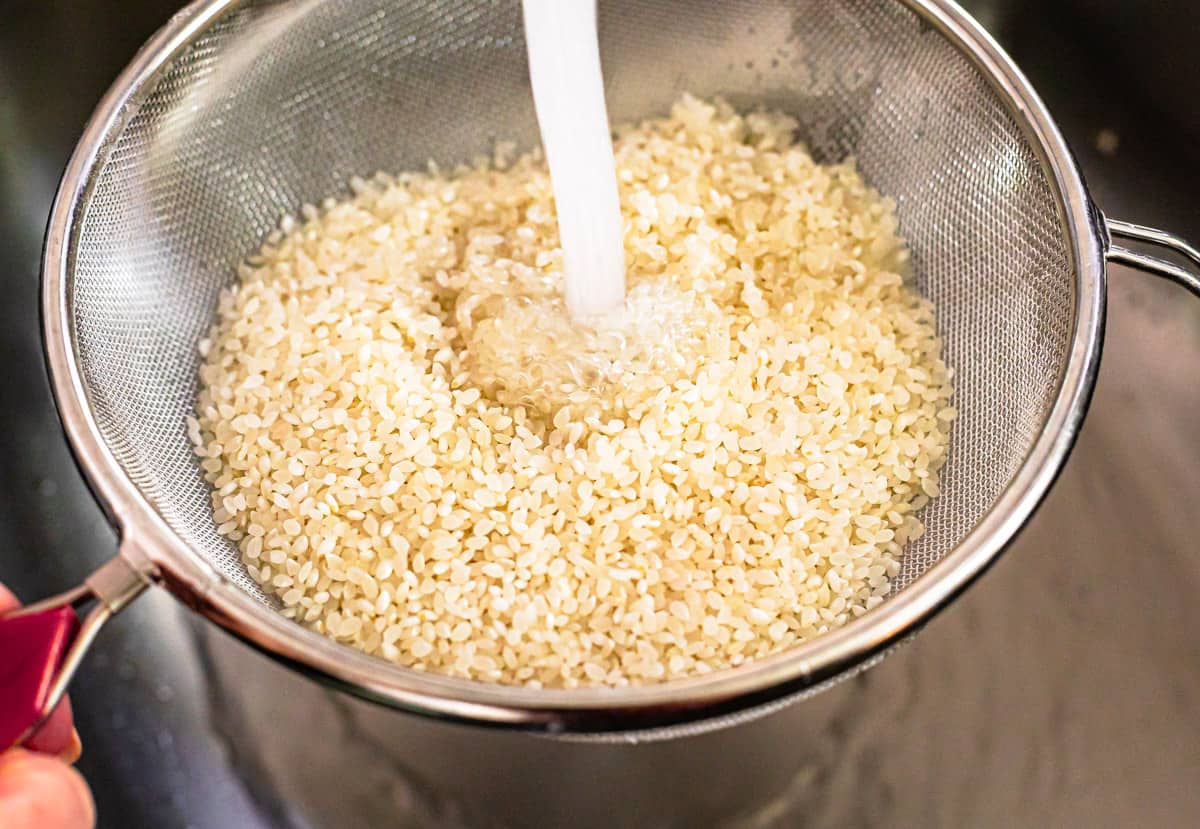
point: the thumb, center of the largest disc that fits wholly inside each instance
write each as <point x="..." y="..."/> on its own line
<point x="39" y="792"/>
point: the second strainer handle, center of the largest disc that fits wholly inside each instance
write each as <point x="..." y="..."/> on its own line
<point x="1188" y="278"/>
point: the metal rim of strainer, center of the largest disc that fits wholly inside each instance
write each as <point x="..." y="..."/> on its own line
<point x="154" y="552"/>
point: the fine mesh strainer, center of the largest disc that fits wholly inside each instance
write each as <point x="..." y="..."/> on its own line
<point x="240" y="111"/>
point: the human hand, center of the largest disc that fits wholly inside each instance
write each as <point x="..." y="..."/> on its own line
<point x="38" y="787"/>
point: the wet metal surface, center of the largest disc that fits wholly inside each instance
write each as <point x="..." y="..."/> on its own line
<point x="1062" y="690"/>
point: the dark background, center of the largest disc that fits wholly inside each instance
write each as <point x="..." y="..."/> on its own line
<point x="1061" y="691"/>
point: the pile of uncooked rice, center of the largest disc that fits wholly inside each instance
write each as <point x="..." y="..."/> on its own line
<point x="421" y="457"/>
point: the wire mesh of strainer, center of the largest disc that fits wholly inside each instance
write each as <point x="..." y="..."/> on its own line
<point x="279" y="104"/>
<point x="240" y="112"/>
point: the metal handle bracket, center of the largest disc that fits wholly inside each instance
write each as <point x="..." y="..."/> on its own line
<point x="1189" y="279"/>
<point x="45" y="642"/>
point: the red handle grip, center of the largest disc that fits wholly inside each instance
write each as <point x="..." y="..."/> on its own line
<point x="32" y="649"/>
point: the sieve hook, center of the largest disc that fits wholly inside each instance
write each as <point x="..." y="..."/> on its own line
<point x="1189" y="279"/>
<point x="41" y="645"/>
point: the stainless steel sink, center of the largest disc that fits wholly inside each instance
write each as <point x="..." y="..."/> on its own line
<point x="1060" y="691"/>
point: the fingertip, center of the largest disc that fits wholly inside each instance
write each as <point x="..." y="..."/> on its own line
<point x="73" y="751"/>
<point x="57" y="734"/>
<point x="38" y="792"/>
<point x="7" y="599"/>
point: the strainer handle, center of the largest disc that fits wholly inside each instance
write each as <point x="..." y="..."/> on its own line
<point x="1189" y="279"/>
<point x="42" y="644"/>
